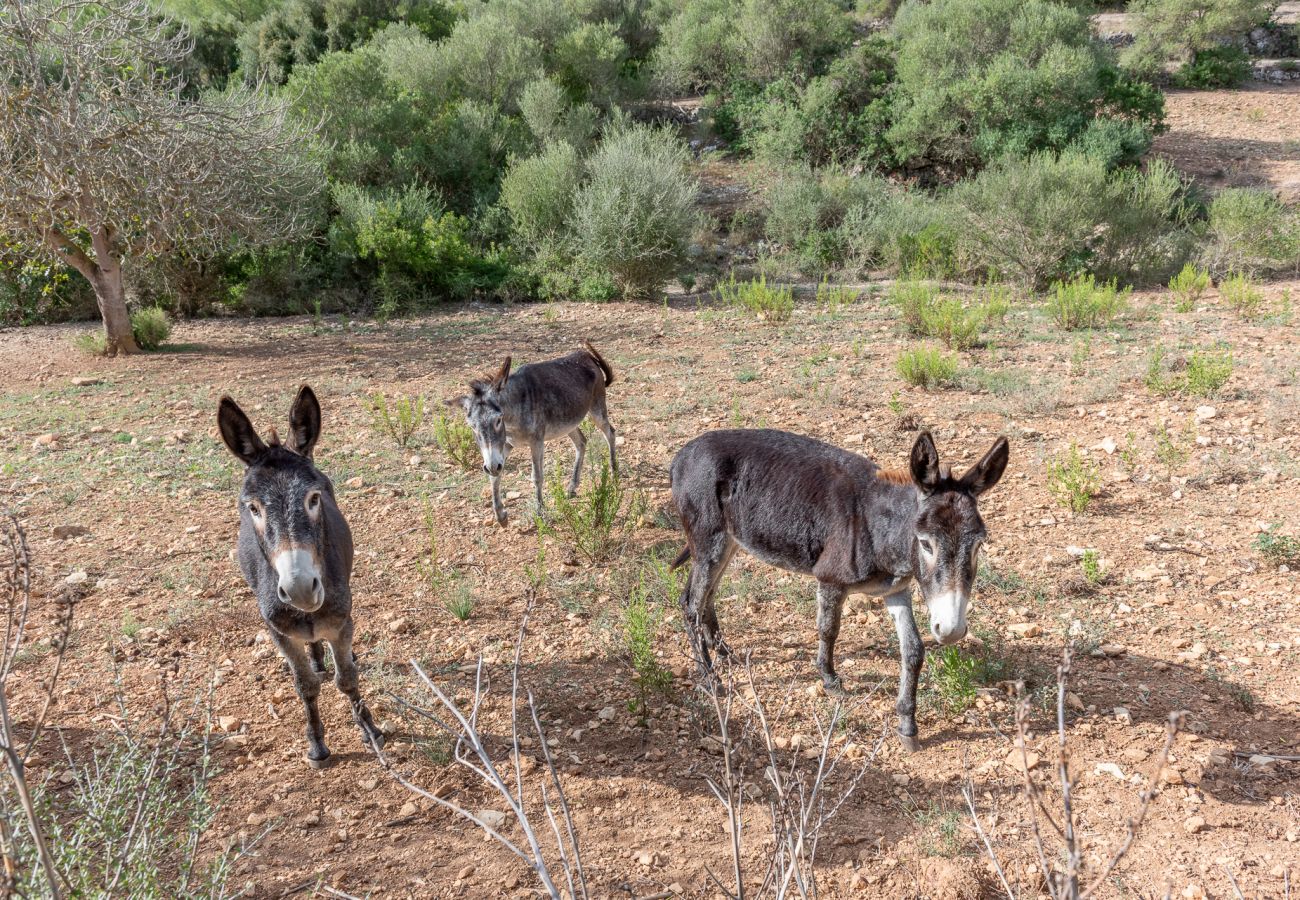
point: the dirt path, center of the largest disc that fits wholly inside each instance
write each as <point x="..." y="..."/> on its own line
<point x="1191" y="616"/>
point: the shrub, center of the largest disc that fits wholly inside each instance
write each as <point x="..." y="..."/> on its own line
<point x="1215" y="67"/>
<point x="772" y="305"/>
<point x="1175" y="29"/>
<point x="456" y="440"/>
<point x="1207" y="372"/>
<point x="150" y="327"/>
<point x="641" y="622"/>
<point x="1241" y="295"/>
<point x="552" y="117"/>
<point x="1173" y="450"/>
<point x="1073" y="480"/>
<point x="956" y="674"/>
<point x="979" y="79"/>
<point x="1248" y="231"/>
<point x="1090" y="565"/>
<point x="1279" y="549"/>
<point x="399" y="419"/>
<point x="924" y="312"/>
<point x="1081" y="303"/>
<point x="538" y="193"/>
<point x="635" y="215"/>
<point x="927" y="368"/>
<point x="1188" y="286"/>
<point x="590" y="523"/>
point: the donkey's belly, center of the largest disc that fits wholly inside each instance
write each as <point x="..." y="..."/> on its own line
<point x="884" y="586"/>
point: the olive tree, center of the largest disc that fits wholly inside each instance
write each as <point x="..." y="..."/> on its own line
<point x="103" y="159"/>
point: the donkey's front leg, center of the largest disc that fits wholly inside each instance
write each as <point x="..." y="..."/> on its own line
<point x="498" y="508"/>
<point x="911" y="653"/>
<point x="307" y="683"/>
<point x="830" y="604"/>
<point x="345" y="676"/>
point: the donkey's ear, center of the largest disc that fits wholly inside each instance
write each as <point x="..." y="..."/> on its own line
<point x="502" y="376"/>
<point x="986" y="473"/>
<point x="238" y="432"/>
<point x="924" y="463"/>
<point x="461" y="403"/>
<point x="304" y="422"/>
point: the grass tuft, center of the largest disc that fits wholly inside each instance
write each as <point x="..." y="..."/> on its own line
<point x="925" y="367"/>
<point x="1073" y="480"/>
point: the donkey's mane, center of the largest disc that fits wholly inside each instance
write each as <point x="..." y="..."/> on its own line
<point x="894" y="476"/>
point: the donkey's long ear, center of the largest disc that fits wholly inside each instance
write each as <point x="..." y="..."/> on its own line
<point x="502" y="376"/>
<point x="238" y="432"/>
<point x="924" y="463"/>
<point x="985" y="473"/>
<point x="304" y="422"/>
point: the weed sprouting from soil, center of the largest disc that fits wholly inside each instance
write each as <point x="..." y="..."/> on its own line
<point x="456" y="440"/>
<point x="1073" y="480"/>
<point x="398" y="419"/>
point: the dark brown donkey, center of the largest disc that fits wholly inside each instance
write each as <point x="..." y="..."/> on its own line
<point x="812" y="508"/>
<point x="295" y="551"/>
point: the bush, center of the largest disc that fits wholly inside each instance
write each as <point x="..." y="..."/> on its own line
<point x="955" y="675"/>
<point x="1241" y="295"/>
<point x="1279" y="549"/>
<point x="1248" y="231"/>
<point x="400" y="420"/>
<point x="1188" y="286"/>
<point x="1176" y="29"/>
<point x="772" y="305"/>
<point x="1073" y="480"/>
<point x="927" y="368"/>
<point x="925" y="312"/>
<point x="641" y="623"/>
<point x="635" y="215"/>
<point x="1081" y="303"/>
<point x="150" y="327"/>
<point x="591" y="523"/>
<point x="538" y="195"/>
<point x="1215" y="67"/>
<point x="979" y="79"/>
<point x="1203" y="373"/>
<point x="456" y="440"/>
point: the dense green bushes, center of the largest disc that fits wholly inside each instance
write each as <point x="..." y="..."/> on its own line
<point x="1248" y="231"/>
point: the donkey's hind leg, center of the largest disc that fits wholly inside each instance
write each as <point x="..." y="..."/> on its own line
<point x="709" y="560"/>
<point x="580" y="451"/>
<point x="830" y="603"/>
<point x="600" y="415"/>
<point x="317" y="649"/>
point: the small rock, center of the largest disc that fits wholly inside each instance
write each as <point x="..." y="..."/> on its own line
<point x="646" y="858"/>
<point x="76" y="577"/>
<point x="465" y="873"/>
<point x="513" y="495"/>
<point x="493" y="818"/>
<point x="1113" y="649"/>
<point x="607" y="714"/>
<point x="1194" y="825"/>
<point x="1022" y="760"/>
<point x="1205" y="413"/>
<point x="1135" y="754"/>
<point x="902" y="779"/>
<point x="409" y="808"/>
<point x="1107" y="446"/>
<point x="414" y="461"/>
<point x="397" y="626"/>
<point x="45" y="440"/>
<point x="229" y="724"/>
<point x="1123" y="716"/>
<point x="1025" y="629"/>
<point x="311" y="820"/>
<point x="1109" y="768"/>
<point x="368" y="784"/>
<point x="86" y="381"/>
<point x="356" y="482"/>
<point x="67" y="532"/>
<point x="1074" y="701"/>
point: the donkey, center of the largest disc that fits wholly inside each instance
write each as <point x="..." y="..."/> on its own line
<point x="812" y="508"/>
<point x="295" y="551"/>
<point x="539" y="402"/>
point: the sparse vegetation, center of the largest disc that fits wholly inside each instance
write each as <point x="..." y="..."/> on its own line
<point x="1241" y="295"/>
<point x="1173" y="450"/>
<point x="772" y="304"/>
<point x="925" y="367"/>
<point x="640" y="627"/>
<point x="1278" y="548"/>
<point x="591" y="523"/>
<point x="150" y="327"/>
<point x="1073" y="480"/>
<point x="1082" y="303"/>
<point x="1203" y="373"/>
<point x="955" y="674"/>
<point x="456" y="440"/>
<point x="398" y="419"/>
<point x="1188" y="286"/>
<point x="1090" y="565"/>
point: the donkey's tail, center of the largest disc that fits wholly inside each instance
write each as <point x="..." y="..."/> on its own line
<point x="681" y="558"/>
<point x="600" y="361"/>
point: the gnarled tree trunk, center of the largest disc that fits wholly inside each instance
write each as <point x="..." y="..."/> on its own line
<point x="105" y="275"/>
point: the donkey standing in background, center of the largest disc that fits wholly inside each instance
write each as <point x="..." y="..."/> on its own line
<point x="538" y="403"/>
<point x="295" y="551"/>
<point x="812" y="508"/>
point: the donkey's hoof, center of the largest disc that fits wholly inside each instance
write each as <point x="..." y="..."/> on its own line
<point x="321" y="763"/>
<point x="503" y="520"/>
<point x="374" y="739"/>
<point x="834" y="686"/>
<point x="910" y="742"/>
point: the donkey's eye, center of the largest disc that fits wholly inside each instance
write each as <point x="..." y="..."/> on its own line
<point x="927" y="546"/>
<point x="255" y="508"/>
<point x="313" y="501"/>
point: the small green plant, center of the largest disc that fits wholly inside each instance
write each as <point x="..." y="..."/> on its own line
<point x="951" y="322"/>
<point x="1207" y="372"/>
<point x="91" y="343"/>
<point x="1188" y="286"/>
<point x="1073" y="480"/>
<point x="1080" y="355"/>
<point x="1279" y="549"/>
<point x="456" y="440"/>
<point x="771" y="304"/>
<point x="399" y="419"/>
<point x="641" y="621"/>
<point x="591" y="523"/>
<point x="896" y="405"/>
<point x="955" y="674"/>
<point x="1082" y="303"/>
<point x="535" y="572"/>
<point x="1241" y="295"/>
<point x="1128" y="454"/>
<point x="1090" y="563"/>
<point x="150" y="327"/>
<point x="448" y="584"/>
<point x="459" y="600"/>
<point x="831" y="298"/>
<point x="925" y="367"/>
<point x="1173" y="450"/>
<point x="913" y="297"/>
<point x="130" y="625"/>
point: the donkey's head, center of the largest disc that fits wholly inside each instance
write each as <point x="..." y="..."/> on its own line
<point x="283" y="496"/>
<point x="948" y="532"/>
<point x="482" y="408"/>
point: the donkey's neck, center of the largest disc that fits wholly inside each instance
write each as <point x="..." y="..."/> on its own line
<point x="893" y="502"/>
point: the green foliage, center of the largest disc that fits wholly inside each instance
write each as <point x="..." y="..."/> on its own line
<point x="1207" y="372"/>
<point x="1279" y="549"/>
<point x="1173" y="450"/>
<point x="772" y="304"/>
<point x="927" y="313"/>
<point x="980" y="79"/>
<point x="150" y="327"/>
<point x="448" y="584"/>
<point x="1082" y="303"/>
<point x="1177" y="29"/>
<point x="91" y="343"/>
<point x="636" y="213"/>
<point x="1215" y="67"/>
<point x="640" y="625"/>
<point x="1241" y="295"/>
<point x="400" y="419"/>
<point x="955" y="674"/>
<point x="1188" y="286"/>
<point x="592" y="523"/>
<point x="456" y="440"/>
<point x="1247" y="230"/>
<point x="1073" y="480"/>
<point x="1090" y="565"/>
<point x="926" y="368"/>
<point x="538" y="192"/>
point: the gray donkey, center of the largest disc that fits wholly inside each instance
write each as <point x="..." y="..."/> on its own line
<point x="295" y="551"/>
<point x="812" y="508"/>
<point x="538" y="403"/>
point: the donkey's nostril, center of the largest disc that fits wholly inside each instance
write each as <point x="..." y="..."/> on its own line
<point x="315" y="585"/>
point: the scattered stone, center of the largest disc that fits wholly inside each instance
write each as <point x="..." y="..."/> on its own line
<point x="1025" y="629"/>
<point x="368" y="784"/>
<point x="1135" y="754"/>
<point x="1022" y="760"/>
<point x="311" y="820"/>
<point x="607" y="714"/>
<point x="45" y="441"/>
<point x="1123" y="716"/>
<point x="86" y="381"/>
<point x="1113" y="649"/>
<point x="76" y="577"/>
<point x="397" y="626"/>
<point x="1194" y="825"/>
<point x="409" y="808"/>
<point x="229" y="724"/>
<point x="1110" y="768"/>
<point x="513" y="495"/>
<point x="646" y="858"/>
<point x="1074" y="701"/>
<point x="1205" y="413"/>
<point x="493" y="818"/>
<point x="1107" y="445"/>
<point x="465" y="873"/>
<point x="356" y="482"/>
<point x="67" y="532"/>
<point x="902" y="779"/>
<point x="414" y="461"/>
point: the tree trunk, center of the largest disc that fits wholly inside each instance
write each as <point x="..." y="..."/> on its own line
<point x="118" y="336"/>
